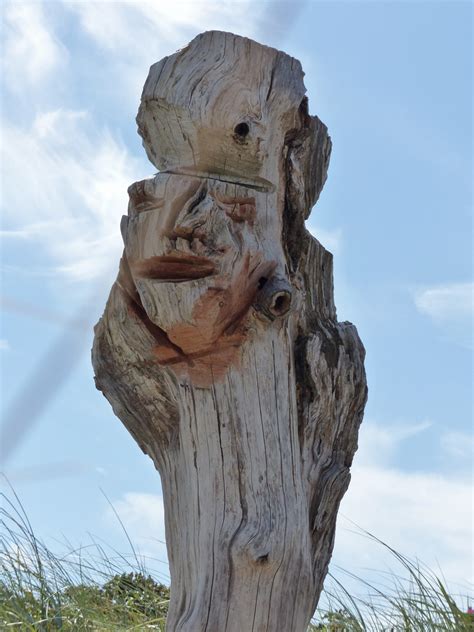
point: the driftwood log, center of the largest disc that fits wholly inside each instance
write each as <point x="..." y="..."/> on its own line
<point x="219" y="348"/>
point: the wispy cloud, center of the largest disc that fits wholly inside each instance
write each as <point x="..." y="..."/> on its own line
<point x="38" y="473"/>
<point x="65" y="187"/>
<point x="147" y="31"/>
<point x="144" y="513"/>
<point x="378" y="444"/>
<point x="330" y="239"/>
<point x="4" y="344"/>
<point x="450" y="307"/>
<point x="143" y="518"/>
<point x="458" y="445"/>
<point x="422" y="515"/>
<point x="65" y="178"/>
<point x="31" y="51"/>
<point x="446" y="303"/>
<point x="109" y="23"/>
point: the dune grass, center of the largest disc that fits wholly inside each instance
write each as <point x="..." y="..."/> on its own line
<point x="87" y="588"/>
<point x="94" y="588"/>
<point x="412" y="599"/>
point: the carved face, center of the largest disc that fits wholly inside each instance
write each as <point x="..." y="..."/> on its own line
<point x="205" y="258"/>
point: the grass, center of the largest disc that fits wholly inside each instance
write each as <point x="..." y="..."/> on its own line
<point x="414" y="600"/>
<point x="94" y="588"/>
<point x="86" y="588"/>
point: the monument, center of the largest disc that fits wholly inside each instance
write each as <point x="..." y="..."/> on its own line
<point x="220" y="349"/>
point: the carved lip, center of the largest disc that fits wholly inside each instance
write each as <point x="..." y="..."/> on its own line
<point x="259" y="184"/>
<point x="175" y="267"/>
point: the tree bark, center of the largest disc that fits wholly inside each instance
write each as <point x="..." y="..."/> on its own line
<point x="219" y="348"/>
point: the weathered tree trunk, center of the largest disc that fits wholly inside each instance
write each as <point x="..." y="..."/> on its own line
<point x="219" y="348"/>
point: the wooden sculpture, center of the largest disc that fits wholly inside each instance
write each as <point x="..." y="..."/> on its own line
<point x="219" y="348"/>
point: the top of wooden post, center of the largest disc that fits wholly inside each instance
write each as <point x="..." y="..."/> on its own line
<point x="221" y="107"/>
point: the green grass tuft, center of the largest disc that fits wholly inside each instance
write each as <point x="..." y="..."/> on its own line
<point x="94" y="589"/>
<point x="413" y="600"/>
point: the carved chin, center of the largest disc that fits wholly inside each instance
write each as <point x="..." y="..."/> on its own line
<point x="204" y="347"/>
<point x="207" y="366"/>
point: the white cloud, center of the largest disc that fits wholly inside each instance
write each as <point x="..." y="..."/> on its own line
<point x="56" y="124"/>
<point x="109" y="22"/>
<point x="38" y="473"/>
<point x="450" y="307"/>
<point x="65" y="179"/>
<point x="446" y="303"/>
<point x="143" y="517"/>
<point x="421" y="515"/>
<point x="378" y="443"/>
<point x="330" y="239"/>
<point x="65" y="187"/>
<point x="142" y="513"/>
<point x="135" y="35"/>
<point x="31" y="52"/>
<point x="458" y="445"/>
<point x="4" y="344"/>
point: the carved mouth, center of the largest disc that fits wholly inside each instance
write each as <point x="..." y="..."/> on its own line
<point x="176" y="268"/>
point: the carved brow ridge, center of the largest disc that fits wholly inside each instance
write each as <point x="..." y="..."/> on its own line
<point x="258" y="184"/>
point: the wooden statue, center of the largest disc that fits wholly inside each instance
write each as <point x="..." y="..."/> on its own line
<point x="219" y="348"/>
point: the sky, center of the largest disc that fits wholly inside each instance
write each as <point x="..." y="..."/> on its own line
<point x="393" y="83"/>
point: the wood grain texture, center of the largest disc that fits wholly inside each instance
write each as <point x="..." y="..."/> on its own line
<point x="220" y="349"/>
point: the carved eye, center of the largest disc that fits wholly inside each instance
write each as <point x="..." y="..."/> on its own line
<point x="241" y="130"/>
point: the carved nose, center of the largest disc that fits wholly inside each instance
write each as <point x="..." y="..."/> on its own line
<point x="274" y="297"/>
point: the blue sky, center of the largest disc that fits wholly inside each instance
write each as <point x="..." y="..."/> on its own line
<point x="393" y="82"/>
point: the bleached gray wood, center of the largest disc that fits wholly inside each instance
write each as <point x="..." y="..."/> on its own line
<point x="219" y="347"/>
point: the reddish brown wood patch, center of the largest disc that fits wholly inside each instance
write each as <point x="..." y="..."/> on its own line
<point x="205" y="349"/>
<point x="177" y="266"/>
<point x="213" y="340"/>
<point x="169" y="351"/>
<point x="239" y="209"/>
